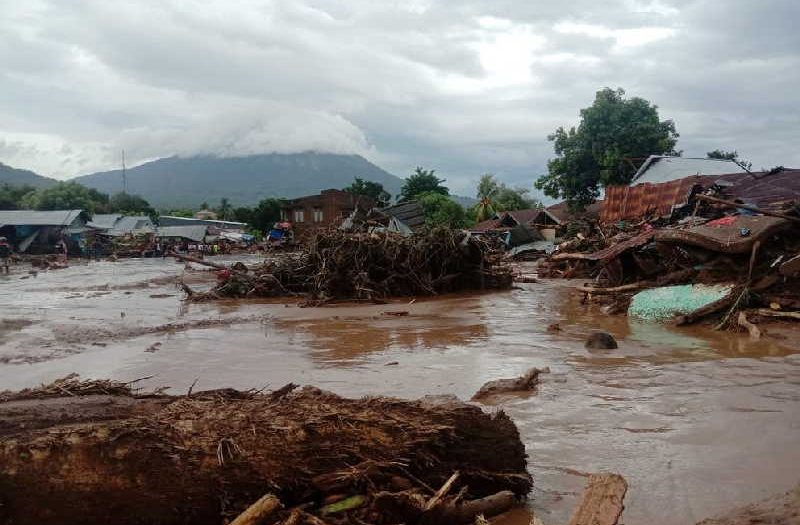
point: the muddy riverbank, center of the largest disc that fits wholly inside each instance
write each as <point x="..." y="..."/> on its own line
<point x="697" y="421"/>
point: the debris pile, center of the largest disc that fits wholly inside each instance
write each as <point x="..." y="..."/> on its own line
<point x="723" y="256"/>
<point x="300" y="455"/>
<point x="368" y="266"/>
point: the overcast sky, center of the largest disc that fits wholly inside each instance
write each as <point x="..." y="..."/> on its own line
<point x="466" y="87"/>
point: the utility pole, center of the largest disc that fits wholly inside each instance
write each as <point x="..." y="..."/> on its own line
<point x="124" y="177"/>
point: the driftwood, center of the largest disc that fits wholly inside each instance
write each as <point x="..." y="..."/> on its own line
<point x="742" y="321"/>
<point x="409" y="507"/>
<point x="766" y="312"/>
<point x="602" y="499"/>
<point x="524" y="383"/>
<point x="259" y="511"/>
<point x="205" y="458"/>
<point x="670" y="278"/>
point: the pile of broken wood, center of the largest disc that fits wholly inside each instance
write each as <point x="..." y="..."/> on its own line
<point x="368" y="266"/>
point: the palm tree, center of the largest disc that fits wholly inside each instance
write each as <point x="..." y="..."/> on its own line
<point x="487" y="190"/>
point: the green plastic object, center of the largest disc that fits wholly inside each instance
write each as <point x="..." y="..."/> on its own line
<point x="661" y="304"/>
<point x="353" y="502"/>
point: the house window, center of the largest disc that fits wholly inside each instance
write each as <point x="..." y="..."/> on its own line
<point x="284" y="215"/>
<point x="317" y="214"/>
<point x="298" y="216"/>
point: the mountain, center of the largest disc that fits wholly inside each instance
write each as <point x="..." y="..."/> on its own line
<point x="177" y="182"/>
<point x="18" y="177"/>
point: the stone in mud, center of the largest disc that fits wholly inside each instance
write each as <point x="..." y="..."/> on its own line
<point x="601" y="341"/>
<point x="524" y="383"/>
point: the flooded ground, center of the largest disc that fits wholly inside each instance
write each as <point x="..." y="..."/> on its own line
<point x="697" y="421"/>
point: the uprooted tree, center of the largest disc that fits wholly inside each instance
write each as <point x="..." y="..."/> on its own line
<point x="614" y="133"/>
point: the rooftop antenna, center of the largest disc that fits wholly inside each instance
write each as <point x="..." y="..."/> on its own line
<point x="124" y="177"/>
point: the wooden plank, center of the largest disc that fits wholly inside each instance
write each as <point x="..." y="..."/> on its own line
<point x="602" y="501"/>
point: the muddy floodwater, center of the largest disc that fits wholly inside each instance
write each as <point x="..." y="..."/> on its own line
<point x="697" y="421"/>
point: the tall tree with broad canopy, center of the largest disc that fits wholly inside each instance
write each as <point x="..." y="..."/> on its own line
<point x="373" y="190"/>
<point x="422" y="181"/>
<point x="614" y="133"/>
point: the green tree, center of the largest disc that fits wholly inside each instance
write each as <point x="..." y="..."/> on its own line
<point x="243" y="214"/>
<point x="494" y="197"/>
<point x="440" y="210"/>
<point x="11" y="196"/>
<point x="373" y="190"/>
<point x="487" y="191"/>
<point x="422" y="181"/>
<point x="729" y="155"/>
<point x="67" y="196"/>
<point x="509" y="199"/>
<point x="184" y="212"/>
<point x="265" y="214"/>
<point x="600" y="152"/>
<point x="128" y="204"/>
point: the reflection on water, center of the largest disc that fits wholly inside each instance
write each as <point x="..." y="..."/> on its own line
<point x="340" y="341"/>
<point x="697" y="420"/>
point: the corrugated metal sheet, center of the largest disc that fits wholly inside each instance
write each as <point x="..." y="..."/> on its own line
<point x="660" y="168"/>
<point x="104" y="221"/>
<point x="562" y="213"/>
<point x="635" y="202"/>
<point x="509" y="219"/>
<point x="764" y="189"/>
<point x="39" y="218"/>
<point x="193" y="233"/>
<point x="132" y="224"/>
<point x="409" y="213"/>
<point x="170" y="220"/>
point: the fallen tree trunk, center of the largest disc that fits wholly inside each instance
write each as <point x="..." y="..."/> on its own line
<point x="766" y="312"/>
<point x="524" y="383"/>
<point x="602" y="501"/>
<point x="124" y="459"/>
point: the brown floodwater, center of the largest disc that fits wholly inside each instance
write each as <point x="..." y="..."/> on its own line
<point x="696" y="420"/>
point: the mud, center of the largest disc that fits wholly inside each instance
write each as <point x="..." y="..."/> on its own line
<point x="697" y="421"/>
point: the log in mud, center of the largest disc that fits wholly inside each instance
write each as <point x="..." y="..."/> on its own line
<point x="93" y="452"/>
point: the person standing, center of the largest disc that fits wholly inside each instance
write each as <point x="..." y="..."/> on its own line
<point x="5" y="254"/>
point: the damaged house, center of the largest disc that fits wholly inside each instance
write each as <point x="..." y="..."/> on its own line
<point x="37" y="232"/>
<point x="329" y="208"/>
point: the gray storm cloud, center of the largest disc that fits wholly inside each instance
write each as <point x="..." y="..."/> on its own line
<point x="463" y="86"/>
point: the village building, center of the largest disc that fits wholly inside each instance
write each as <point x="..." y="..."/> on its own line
<point x="116" y="225"/>
<point x="206" y="214"/>
<point x="328" y="208"/>
<point x="197" y="233"/>
<point x="30" y="231"/>
<point x="228" y="226"/>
